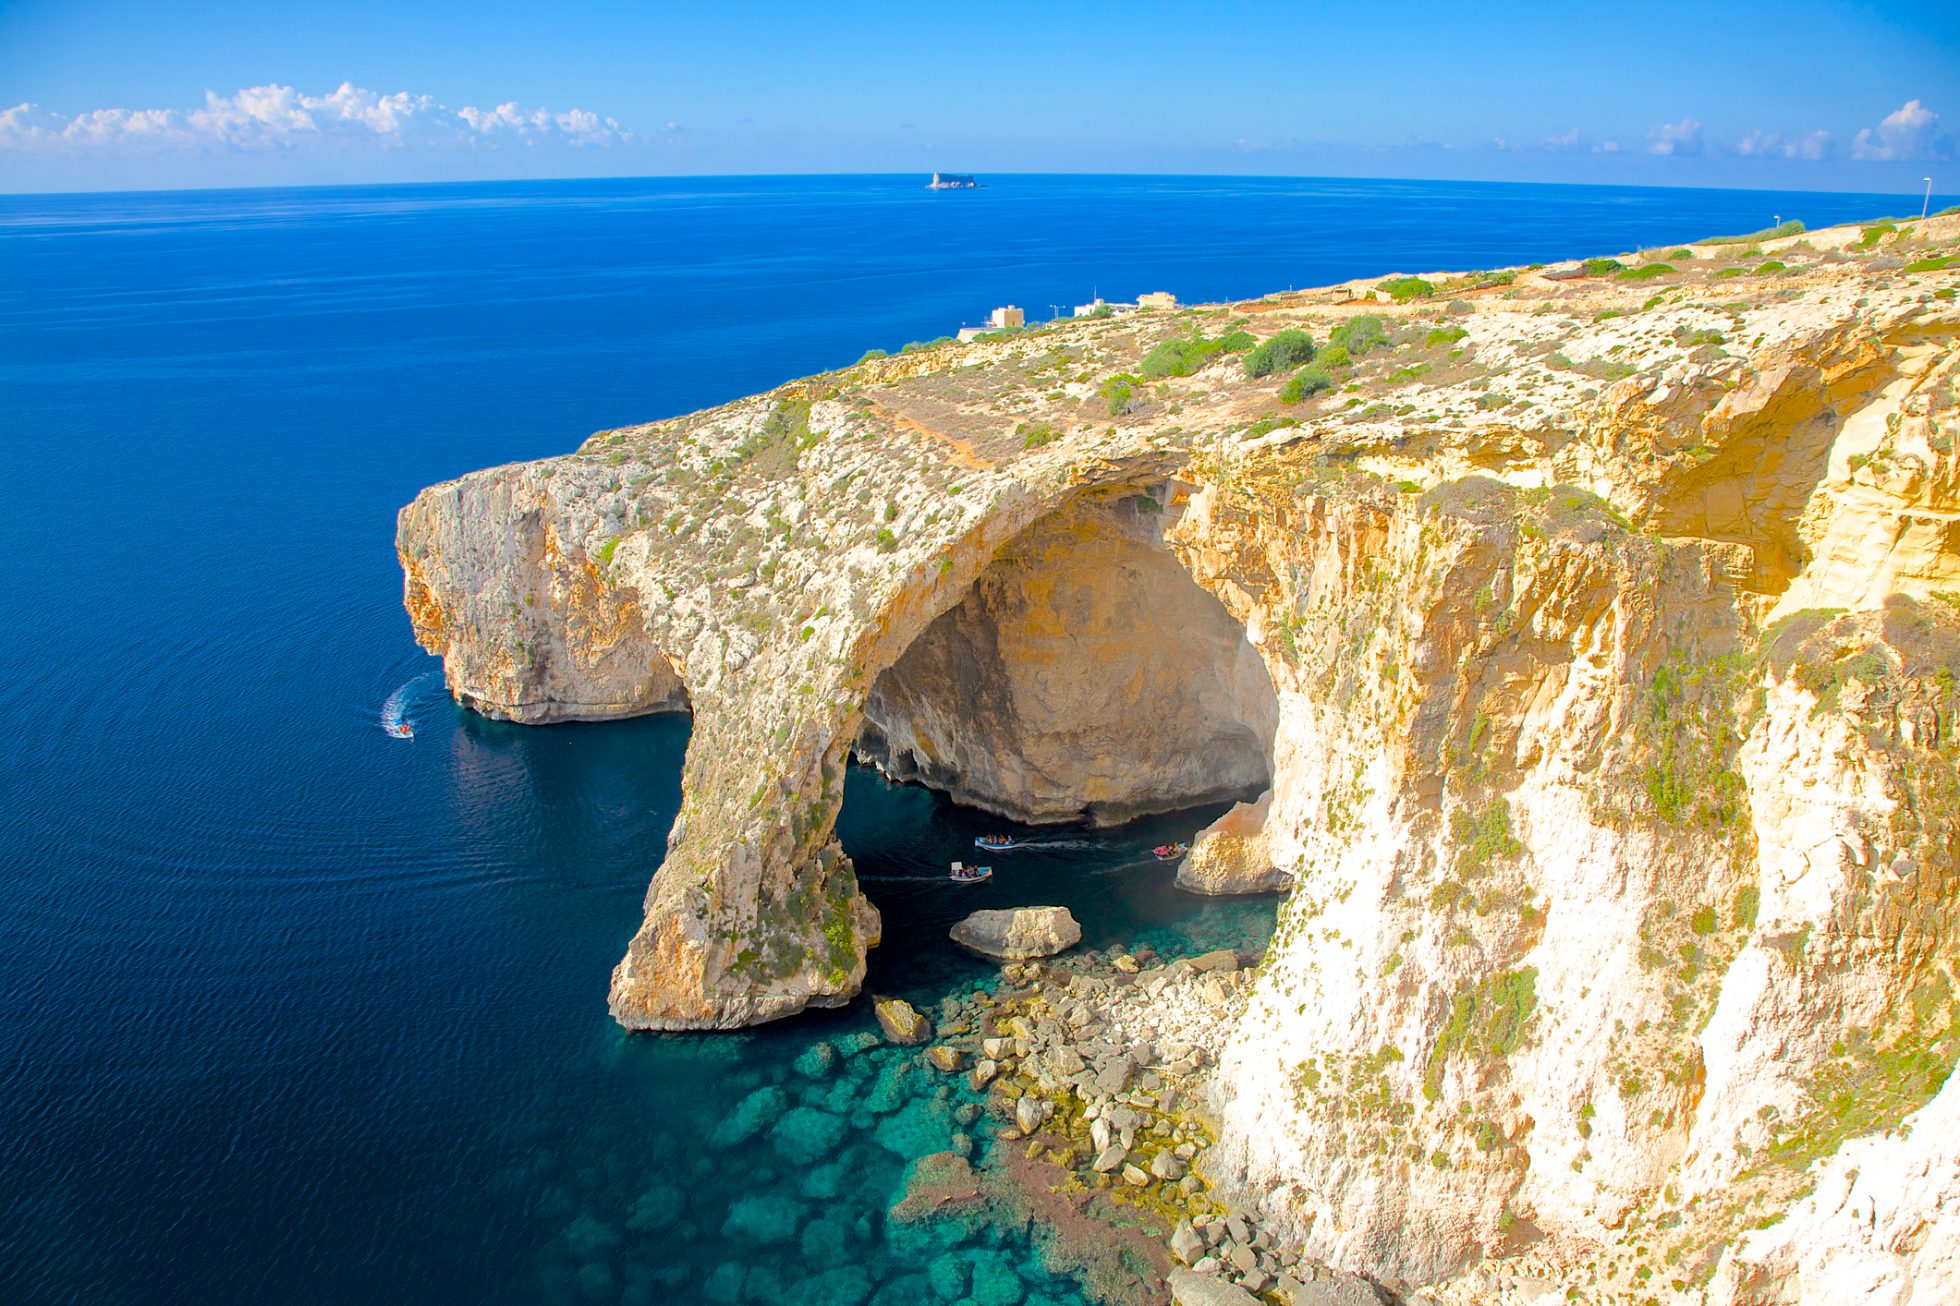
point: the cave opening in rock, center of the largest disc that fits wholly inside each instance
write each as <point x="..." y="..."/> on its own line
<point x="1085" y="677"/>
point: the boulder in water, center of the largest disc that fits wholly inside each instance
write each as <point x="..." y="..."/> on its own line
<point x="1018" y="933"/>
<point x="900" y="1021"/>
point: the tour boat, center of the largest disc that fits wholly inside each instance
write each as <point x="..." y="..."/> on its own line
<point x="402" y="730"/>
<point x="964" y="874"/>
<point x="997" y="843"/>
<point x="1170" y="852"/>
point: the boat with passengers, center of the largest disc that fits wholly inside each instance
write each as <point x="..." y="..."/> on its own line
<point x="964" y="874"/>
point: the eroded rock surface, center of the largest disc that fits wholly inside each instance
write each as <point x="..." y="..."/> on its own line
<point x="1232" y="854"/>
<point x="1593" y="642"/>
<point x="1018" y="933"/>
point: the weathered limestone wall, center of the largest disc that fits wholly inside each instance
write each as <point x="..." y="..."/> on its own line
<point x="1084" y="676"/>
<point x="1622" y="878"/>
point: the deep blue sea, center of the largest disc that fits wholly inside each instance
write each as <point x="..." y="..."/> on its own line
<point x="294" y="1011"/>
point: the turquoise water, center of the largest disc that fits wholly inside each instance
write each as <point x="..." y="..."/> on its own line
<point x="294" y="1010"/>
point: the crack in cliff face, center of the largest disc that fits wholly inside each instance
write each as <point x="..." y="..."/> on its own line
<point x="1084" y="676"/>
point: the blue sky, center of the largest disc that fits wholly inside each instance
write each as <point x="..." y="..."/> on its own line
<point x="1793" y="95"/>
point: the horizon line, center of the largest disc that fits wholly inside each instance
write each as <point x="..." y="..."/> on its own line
<point x="6" y="194"/>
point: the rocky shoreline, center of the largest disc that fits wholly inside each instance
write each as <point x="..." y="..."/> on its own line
<point x="1094" y="1070"/>
<point x="1594" y="632"/>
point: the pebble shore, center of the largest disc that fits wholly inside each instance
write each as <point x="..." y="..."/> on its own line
<point x="1094" y="1065"/>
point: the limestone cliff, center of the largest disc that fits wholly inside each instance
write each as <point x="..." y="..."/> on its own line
<point x="1586" y="646"/>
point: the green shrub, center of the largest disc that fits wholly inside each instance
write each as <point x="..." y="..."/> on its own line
<point x="1444" y="336"/>
<point x="1119" y="393"/>
<point x="1484" y="837"/>
<point x="887" y="542"/>
<point x="1309" y="380"/>
<point x="1931" y="264"/>
<point x="1488" y="1021"/>
<point x="870" y="354"/>
<point x="1645" y="272"/>
<point x="1333" y="356"/>
<point x="606" y="550"/>
<point x="1790" y="228"/>
<point x="1176" y="358"/>
<point x="1684" y="254"/>
<point x="1770" y="266"/>
<point x="1747" y="899"/>
<point x="1600" y="267"/>
<point x="1285" y="351"/>
<point x="1358" y="335"/>
<point x="1035" y="434"/>
<point x="1187" y="354"/>
<point x="1404" y="289"/>
<point x="1871" y="235"/>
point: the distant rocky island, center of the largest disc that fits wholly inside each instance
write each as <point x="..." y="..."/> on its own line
<point x="1579" y="645"/>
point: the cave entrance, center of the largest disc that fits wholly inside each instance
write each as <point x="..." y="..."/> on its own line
<point x="1084" y="678"/>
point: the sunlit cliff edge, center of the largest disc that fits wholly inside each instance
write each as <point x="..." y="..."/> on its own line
<point x="1584" y="649"/>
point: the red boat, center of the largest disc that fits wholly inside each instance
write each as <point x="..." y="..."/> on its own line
<point x="1170" y="852"/>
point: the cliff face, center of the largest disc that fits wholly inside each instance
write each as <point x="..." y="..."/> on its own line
<point x="1587" y="646"/>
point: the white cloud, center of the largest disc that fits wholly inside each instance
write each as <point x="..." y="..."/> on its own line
<point x="1682" y="137"/>
<point x="1775" y="145"/>
<point x="274" y="116"/>
<point x="1910" y="132"/>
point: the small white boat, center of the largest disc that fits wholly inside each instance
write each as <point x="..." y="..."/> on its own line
<point x="964" y="874"/>
<point x="1170" y="852"/>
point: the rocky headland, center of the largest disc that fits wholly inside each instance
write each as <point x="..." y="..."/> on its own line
<point x="1579" y="644"/>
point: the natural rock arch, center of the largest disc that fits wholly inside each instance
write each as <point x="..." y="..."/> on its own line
<point x="1083" y="676"/>
<point x="756" y="912"/>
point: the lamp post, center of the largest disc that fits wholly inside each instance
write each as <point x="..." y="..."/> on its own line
<point x="1928" y="202"/>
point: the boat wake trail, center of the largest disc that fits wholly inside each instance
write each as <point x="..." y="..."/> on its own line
<point x="394" y="713"/>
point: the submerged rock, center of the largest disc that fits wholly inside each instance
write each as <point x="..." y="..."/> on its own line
<point x="1018" y="933"/>
<point x="845" y="1286"/>
<point x="725" y="1284"/>
<point x="806" y="1135"/>
<point x="936" y="1180"/>
<point x="763" y="1219"/>
<point x="817" y="1061"/>
<point x="900" y="1021"/>
<point x="751" y="1116"/>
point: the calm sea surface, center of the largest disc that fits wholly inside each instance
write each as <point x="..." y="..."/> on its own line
<point x="292" y="1011"/>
